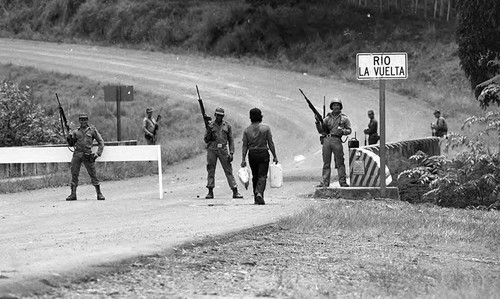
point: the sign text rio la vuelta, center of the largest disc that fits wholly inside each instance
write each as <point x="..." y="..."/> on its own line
<point x="372" y="66"/>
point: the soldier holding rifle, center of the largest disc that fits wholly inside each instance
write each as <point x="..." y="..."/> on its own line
<point x="82" y="139"/>
<point x="150" y="126"/>
<point x="332" y="128"/>
<point x="220" y="146"/>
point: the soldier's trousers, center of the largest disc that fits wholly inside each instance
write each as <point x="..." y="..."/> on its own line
<point x="76" y="163"/>
<point x="259" y="164"/>
<point x="223" y="155"/>
<point x="333" y="145"/>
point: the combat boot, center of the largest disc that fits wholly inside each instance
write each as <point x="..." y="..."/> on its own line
<point x="236" y="194"/>
<point x="99" y="194"/>
<point x="72" y="196"/>
<point x="210" y="193"/>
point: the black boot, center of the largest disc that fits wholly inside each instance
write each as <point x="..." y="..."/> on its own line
<point x="236" y="194"/>
<point x="259" y="199"/>
<point x="72" y="196"/>
<point x="210" y="193"/>
<point x="99" y="194"/>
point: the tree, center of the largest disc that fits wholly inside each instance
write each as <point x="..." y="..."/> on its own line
<point x="478" y="39"/>
<point x="22" y="122"/>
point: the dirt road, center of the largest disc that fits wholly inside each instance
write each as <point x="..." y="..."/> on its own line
<point x="41" y="235"/>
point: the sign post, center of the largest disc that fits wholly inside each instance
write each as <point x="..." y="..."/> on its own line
<point x="118" y="93"/>
<point x="381" y="67"/>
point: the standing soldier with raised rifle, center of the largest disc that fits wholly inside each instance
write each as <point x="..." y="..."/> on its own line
<point x="219" y="139"/>
<point x="150" y="126"/>
<point x="332" y="128"/>
<point x="82" y="139"/>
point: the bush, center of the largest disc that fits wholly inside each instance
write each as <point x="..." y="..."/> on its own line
<point x="22" y="121"/>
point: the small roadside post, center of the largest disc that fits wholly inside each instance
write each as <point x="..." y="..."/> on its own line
<point x="118" y="93"/>
<point x="381" y="67"/>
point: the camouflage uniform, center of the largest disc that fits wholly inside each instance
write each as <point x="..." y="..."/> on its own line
<point x="82" y="139"/>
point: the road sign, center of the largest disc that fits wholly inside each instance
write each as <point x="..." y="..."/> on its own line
<point x="375" y="66"/>
<point x="118" y="93"/>
<point x="122" y="93"/>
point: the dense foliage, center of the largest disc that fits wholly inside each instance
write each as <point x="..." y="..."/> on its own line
<point x="478" y="36"/>
<point x="22" y="121"/>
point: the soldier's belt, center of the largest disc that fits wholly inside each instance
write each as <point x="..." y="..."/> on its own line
<point x="332" y="135"/>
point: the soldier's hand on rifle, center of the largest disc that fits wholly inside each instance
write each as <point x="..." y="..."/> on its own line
<point x="230" y="158"/>
<point x="318" y="119"/>
<point x="243" y="163"/>
<point x="206" y="117"/>
<point x="275" y="160"/>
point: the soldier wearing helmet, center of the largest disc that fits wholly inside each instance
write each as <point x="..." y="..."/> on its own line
<point x="335" y="125"/>
<point x="149" y="126"/>
<point x="82" y="139"/>
<point x="219" y="139"/>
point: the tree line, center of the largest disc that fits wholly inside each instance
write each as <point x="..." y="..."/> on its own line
<point x="435" y="9"/>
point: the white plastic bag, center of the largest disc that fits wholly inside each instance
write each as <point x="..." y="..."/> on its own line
<point x="244" y="176"/>
<point x="275" y="175"/>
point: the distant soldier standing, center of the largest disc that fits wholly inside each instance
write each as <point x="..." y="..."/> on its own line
<point x="82" y="139"/>
<point x="372" y="129"/>
<point x="335" y="125"/>
<point x="219" y="137"/>
<point x="439" y="128"/>
<point x="149" y="126"/>
<point x="257" y="141"/>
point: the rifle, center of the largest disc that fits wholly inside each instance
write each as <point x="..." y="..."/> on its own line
<point x="206" y="118"/>
<point x="316" y="113"/>
<point x="62" y="116"/>
<point x="324" y="107"/>
<point x="158" y="118"/>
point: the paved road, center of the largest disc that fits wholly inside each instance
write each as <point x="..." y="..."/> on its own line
<point x="42" y="236"/>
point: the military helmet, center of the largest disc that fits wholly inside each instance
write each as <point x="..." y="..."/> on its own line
<point x="149" y="109"/>
<point x="83" y="115"/>
<point x="336" y="100"/>
<point x="219" y="111"/>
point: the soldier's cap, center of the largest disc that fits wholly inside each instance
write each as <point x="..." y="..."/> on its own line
<point x="219" y="111"/>
<point x="437" y="111"/>
<point x="83" y="116"/>
<point x="149" y="109"/>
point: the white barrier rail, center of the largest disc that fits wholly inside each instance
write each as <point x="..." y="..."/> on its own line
<point x="64" y="155"/>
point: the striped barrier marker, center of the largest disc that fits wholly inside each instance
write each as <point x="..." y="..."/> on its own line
<point x="364" y="168"/>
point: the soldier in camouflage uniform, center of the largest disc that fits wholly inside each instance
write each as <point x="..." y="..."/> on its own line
<point x="219" y="137"/>
<point x="82" y="139"/>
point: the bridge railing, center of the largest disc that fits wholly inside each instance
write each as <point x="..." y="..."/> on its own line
<point x="364" y="166"/>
